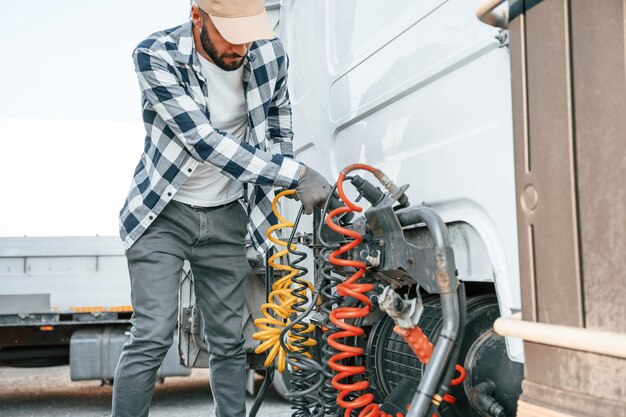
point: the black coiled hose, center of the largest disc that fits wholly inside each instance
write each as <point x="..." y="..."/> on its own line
<point x="307" y="375"/>
<point x="327" y="393"/>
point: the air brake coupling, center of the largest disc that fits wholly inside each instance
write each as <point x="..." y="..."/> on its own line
<point x="405" y="313"/>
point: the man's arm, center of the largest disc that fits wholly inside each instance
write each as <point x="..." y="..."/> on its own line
<point x="279" y="115"/>
<point x="239" y="160"/>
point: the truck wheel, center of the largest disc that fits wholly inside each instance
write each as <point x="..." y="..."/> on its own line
<point x="390" y="360"/>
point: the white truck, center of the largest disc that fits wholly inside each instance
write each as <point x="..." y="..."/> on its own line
<point x="421" y="91"/>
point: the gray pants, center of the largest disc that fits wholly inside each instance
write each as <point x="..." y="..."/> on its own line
<point x="213" y="241"/>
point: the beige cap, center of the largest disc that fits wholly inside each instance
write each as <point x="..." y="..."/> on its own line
<point x="239" y="21"/>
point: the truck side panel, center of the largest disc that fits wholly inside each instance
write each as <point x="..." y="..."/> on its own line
<point x="422" y="91"/>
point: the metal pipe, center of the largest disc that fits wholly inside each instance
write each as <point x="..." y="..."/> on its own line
<point x="431" y="381"/>
<point x="444" y="349"/>
<point x="486" y="14"/>
<point x="451" y="369"/>
<point x="437" y="228"/>
<point x="576" y="338"/>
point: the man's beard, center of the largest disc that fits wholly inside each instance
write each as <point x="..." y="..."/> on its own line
<point x="209" y="48"/>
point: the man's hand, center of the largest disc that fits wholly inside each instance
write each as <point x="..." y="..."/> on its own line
<point x="312" y="188"/>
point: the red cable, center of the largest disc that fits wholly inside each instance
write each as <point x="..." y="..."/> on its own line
<point x="349" y="288"/>
<point x="416" y="339"/>
<point x="462" y="374"/>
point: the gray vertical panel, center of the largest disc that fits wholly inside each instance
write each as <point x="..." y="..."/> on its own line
<point x="576" y="377"/>
<point x="599" y="85"/>
<point x="550" y="180"/>
<point x="522" y="177"/>
<point x="569" y="87"/>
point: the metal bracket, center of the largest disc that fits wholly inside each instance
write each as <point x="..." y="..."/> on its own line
<point x="186" y="319"/>
<point x="503" y="38"/>
<point x="372" y="260"/>
<point x="305" y="239"/>
<point x="405" y="313"/>
<point x="400" y="261"/>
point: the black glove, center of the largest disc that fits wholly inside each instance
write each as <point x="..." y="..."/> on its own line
<point x="312" y="188"/>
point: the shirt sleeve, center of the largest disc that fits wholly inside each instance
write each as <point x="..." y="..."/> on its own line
<point x="161" y="87"/>
<point x="279" y="120"/>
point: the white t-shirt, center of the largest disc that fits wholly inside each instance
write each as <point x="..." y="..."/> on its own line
<point x="228" y="110"/>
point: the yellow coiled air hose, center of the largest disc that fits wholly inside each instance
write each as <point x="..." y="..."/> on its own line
<point x="278" y="310"/>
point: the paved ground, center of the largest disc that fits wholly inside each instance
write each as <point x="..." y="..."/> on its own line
<point x="48" y="392"/>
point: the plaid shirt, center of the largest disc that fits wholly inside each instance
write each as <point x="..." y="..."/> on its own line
<point x="179" y="135"/>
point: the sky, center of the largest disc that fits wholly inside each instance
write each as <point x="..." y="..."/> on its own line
<point x="70" y="122"/>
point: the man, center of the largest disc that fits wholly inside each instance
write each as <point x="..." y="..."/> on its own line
<point x="217" y="116"/>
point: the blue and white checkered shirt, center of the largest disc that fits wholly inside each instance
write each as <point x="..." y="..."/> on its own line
<point x="179" y="135"/>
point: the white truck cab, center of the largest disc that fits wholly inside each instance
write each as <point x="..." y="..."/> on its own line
<point x="422" y="91"/>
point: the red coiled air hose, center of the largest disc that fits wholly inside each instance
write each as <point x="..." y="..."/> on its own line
<point x="349" y="288"/>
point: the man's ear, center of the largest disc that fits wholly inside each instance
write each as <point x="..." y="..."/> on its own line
<point x="196" y="16"/>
